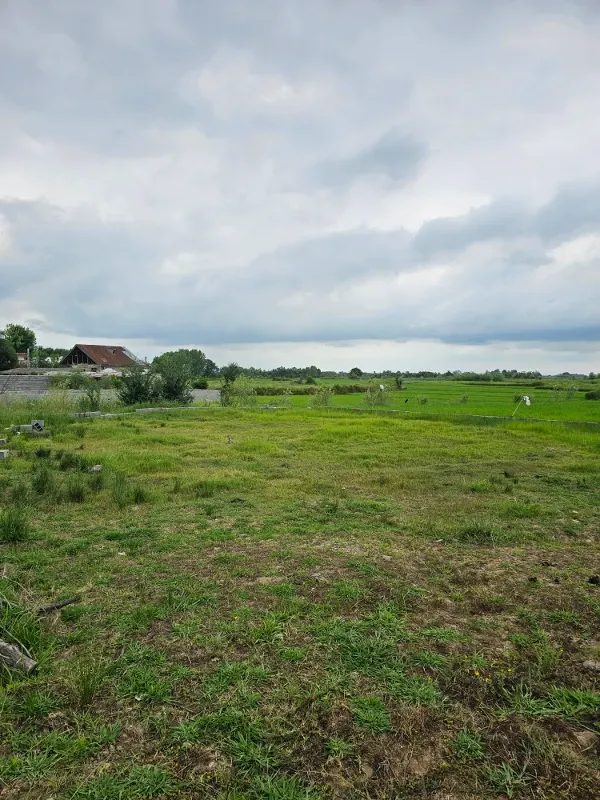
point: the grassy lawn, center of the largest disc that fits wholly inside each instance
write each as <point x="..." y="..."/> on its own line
<point x="297" y="605"/>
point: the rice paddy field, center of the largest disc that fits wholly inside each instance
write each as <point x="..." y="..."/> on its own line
<point x="554" y="399"/>
<point x="303" y="604"/>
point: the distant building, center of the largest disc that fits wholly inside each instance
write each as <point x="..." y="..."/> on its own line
<point x="23" y="360"/>
<point x="100" y="356"/>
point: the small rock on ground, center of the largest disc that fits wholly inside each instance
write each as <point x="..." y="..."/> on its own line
<point x="586" y="739"/>
<point x="593" y="665"/>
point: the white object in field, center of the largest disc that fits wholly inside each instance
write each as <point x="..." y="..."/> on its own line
<point x="527" y="400"/>
<point x="381" y="387"/>
<point x="4" y="454"/>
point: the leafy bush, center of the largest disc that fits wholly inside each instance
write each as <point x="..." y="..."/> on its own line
<point x="138" y="385"/>
<point x="240" y="394"/>
<point x="322" y="397"/>
<point x="8" y="355"/>
<point x="376" y="396"/>
<point x="595" y="395"/>
<point x="91" y="399"/>
<point x="175" y="384"/>
<point x="200" y="383"/>
<point x="303" y="391"/>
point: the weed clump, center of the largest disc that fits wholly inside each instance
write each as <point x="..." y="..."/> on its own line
<point x="478" y="532"/>
<point x="14" y="525"/>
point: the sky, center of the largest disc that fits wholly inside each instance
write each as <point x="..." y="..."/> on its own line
<point x="389" y="184"/>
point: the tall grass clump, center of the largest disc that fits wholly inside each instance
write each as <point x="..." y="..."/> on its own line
<point x="14" y="525"/>
<point x="75" y="489"/>
<point x="42" y="481"/>
<point x="120" y="491"/>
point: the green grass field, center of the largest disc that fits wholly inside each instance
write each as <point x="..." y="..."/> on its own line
<point x="565" y="402"/>
<point x="303" y="605"/>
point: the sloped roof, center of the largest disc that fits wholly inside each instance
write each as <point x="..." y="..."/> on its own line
<point x="108" y="355"/>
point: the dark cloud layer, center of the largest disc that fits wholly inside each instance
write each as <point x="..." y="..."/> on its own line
<point x="180" y="172"/>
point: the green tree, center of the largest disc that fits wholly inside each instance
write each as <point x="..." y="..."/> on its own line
<point x="355" y="372"/>
<point x="194" y="361"/>
<point x="20" y="337"/>
<point x="210" y="369"/>
<point x="230" y="373"/>
<point x="8" y="355"/>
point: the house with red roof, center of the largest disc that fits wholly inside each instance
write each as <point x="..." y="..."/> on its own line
<point x="100" y="356"/>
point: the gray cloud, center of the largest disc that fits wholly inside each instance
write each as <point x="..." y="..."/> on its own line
<point x="393" y="156"/>
<point x="183" y="172"/>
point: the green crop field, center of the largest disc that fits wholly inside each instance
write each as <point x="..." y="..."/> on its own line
<point x="553" y="399"/>
<point x="304" y="604"/>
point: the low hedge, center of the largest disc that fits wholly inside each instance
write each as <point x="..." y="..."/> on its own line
<point x="338" y="388"/>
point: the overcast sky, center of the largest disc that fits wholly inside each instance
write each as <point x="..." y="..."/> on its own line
<point x="387" y="183"/>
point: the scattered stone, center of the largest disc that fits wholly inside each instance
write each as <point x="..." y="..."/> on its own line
<point x="269" y="579"/>
<point x="3" y="441"/>
<point x="386" y="558"/>
<point x="593" y="665"/>
<point x="229" y="440"/>
<point x="4" y="454"/>
<point x="96" y="468"/>
<point x="595" y="580"/>
<point x="586" y="739"/>
<point x="22" y="428"/>
<point x="367" y="771"/>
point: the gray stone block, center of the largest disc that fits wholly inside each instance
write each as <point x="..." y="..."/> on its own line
<point x="4" y="454"/>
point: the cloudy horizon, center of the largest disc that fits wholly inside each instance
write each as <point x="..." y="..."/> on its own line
<point x="394" y="185"/>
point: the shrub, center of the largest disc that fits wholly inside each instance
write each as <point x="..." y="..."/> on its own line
<point x="175" y="384"/>
<point x="285" y="400"/>
<point x="349" y="388"/>
<point x="91" y="399"/>
<point x="595" y="395"/>
<point x="138" y="385"/>
<point x="200" y="383"/>
<point x="376" y="396"/>
<point x="322" y="397"/>
<point x="8" y="355"/>
<point x="14" y="525"/>
<point x="240" y="394"/>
